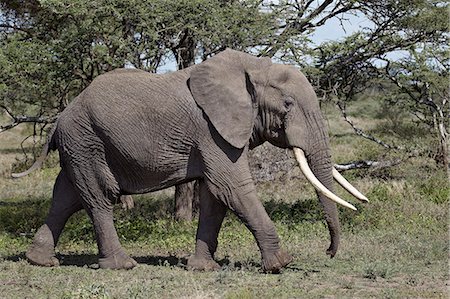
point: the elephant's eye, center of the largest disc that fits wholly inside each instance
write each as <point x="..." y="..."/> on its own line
<point x="288" y="103"/>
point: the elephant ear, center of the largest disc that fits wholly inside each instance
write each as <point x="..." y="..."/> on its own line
<point x="220" y="86"/>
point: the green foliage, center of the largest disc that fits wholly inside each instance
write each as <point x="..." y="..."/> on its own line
<point x="23" y="218"/>
<point x="421" y="78"/>
<point x="61" y="46"/>
<point x="27" y="79"/>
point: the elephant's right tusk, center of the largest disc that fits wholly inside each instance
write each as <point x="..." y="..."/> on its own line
<point x="347" y="186"/>
<point x="301" y="159"/>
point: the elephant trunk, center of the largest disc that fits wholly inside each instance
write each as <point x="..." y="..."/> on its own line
<point x="315" y="162"/>
<point x="321" y="166"/>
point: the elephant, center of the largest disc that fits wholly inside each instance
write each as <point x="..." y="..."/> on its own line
<point x="132" y="132"/>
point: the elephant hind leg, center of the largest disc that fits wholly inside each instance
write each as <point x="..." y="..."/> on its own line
<point x="212" y="213"/>
<point x="111" y="253"/>
<point x="99" y="207"/>
<point x="65" y="202"/>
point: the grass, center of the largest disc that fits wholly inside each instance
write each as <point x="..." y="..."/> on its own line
<point x="394" y="247"/>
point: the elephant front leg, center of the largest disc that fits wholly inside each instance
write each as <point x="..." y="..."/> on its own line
<point x="111" y="253"/>
<point x="65" y="202"/>
<point x="241" y="198"/>
<point x="251" y="211"/>
<point x="212" y="213"/>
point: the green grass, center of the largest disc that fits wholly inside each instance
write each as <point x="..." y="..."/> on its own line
<point x="396" y="246"/>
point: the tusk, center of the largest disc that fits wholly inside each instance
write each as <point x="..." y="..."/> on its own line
<point x="301" y="159"/>
<point x="347" y="186"/>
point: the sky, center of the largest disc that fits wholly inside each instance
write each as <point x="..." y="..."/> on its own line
<point x="333" y="30"/>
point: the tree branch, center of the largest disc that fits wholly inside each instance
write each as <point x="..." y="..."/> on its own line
<point x="361" y="133"/>
<point x="298" y="26"/>
<point x="16" y="28"/>
<point x="16" y="120"/>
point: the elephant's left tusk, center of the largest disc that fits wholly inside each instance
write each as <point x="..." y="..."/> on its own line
<point x="301" y="159"/>
<point x="347" y="186"/>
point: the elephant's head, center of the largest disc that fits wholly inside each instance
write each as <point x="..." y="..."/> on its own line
<point x="250" y="100"/>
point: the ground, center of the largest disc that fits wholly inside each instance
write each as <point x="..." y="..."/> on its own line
<point x="396" y="246"/>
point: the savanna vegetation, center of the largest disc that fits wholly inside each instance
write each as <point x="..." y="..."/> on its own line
<point x="384" y="92"/>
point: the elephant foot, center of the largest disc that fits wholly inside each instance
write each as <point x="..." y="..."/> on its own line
<point x="117" y="261"/>
<point x="42" y="251"/>
<point x="41" y="256"/>
<point x="202" y="264"/>
<point x="275" y="262"/>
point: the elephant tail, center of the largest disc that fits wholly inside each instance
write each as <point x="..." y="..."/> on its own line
<point x="49" y="145"/>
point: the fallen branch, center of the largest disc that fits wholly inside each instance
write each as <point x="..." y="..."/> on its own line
<point x="363" y="164"/>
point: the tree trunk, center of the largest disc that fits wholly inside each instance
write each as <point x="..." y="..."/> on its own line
<point x="186" y="200"/>
<point x="442" y="157"/>
<point x="186" y="195"/>
<point x="185" y="51"/>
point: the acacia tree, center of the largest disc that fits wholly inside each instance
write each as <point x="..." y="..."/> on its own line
<point x="51" y="50"/>
<point x="421" y="82"/>
<point x="343" y="70"/>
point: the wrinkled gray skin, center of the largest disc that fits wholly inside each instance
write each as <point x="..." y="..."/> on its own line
<point x="132" y="132"/>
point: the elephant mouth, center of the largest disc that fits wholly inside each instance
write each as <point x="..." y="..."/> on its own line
<point x="303" y="163"/>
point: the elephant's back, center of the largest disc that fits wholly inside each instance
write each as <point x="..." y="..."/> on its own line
<point x="145" y="120"/>
<point x="129" y="89"/>
<point x="137" y="102"/>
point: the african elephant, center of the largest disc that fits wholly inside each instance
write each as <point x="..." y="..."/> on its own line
<point x="131" y="132"/>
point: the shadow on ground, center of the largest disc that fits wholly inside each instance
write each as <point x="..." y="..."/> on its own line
<point x="90" y="261"/>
